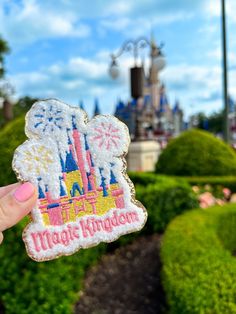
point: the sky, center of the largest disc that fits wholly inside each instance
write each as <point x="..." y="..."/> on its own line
<point x="61" y="49"/>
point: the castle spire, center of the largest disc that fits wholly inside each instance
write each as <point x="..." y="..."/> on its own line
<point x="81" y="104"/>
<point x="96" y="107"/>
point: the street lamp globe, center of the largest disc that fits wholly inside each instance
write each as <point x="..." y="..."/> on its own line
<point x="159" y="61"/>
<point x="114" y="69"/>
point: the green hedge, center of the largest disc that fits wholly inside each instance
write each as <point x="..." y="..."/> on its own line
<point x="197" y="153"/>
<point x="28" y="287"/>
<point x="147" y="178"/>
<point x="51" y="287"/>
<point x="165" y="200"/>
<point x="199" y="272"/>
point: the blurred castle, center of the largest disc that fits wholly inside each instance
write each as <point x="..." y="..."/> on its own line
<point x="148" y="115"/>
<point x="151" y="116"/>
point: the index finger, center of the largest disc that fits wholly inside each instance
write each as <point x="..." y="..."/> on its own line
<point x="8" y="188"/>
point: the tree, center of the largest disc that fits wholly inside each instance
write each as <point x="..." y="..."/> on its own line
<point x="212" y="123"/>
<point x="7" y="106"/>
<point x="4" y="49"/>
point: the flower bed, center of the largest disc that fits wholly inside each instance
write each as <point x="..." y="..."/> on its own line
<point x="210" y="196"/>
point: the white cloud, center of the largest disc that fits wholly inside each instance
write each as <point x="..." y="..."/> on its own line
<point x="213" y="9"/>
<point x="198" y="88"/>
<point x="117" y="8"/>
<point x="77" y="79"/>
<point x="30" y="22"/>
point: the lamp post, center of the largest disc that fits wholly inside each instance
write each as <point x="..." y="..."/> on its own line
<point x="225" y="79"/>
<point x="137" y="72"/>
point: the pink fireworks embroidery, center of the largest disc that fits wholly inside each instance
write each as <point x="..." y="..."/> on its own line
<point x="107" y="136"/>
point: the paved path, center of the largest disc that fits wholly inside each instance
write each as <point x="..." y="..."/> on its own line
<point x="125" y="282"/>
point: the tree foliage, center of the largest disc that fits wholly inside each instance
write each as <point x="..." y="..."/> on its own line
<point x="212" y="123"/>
<point x="4" y="49"/>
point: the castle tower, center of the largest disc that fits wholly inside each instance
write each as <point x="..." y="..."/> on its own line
<point x="91" y="174"/>
<point x="153" y="77"/>
<point x="80" y="157"/>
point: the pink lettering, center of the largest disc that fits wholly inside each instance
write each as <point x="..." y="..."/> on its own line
<point x="122" y="219"/>
<point x="55" y="237"/>
<point x="86" y="228"/>
<point x="48" y="237"/>
<point x="114" y="219"/>
<point x="134" y="216"/>
<point x="43" y="244"/>
<point x="75" y="234"/>
<point x="36" y="245"/>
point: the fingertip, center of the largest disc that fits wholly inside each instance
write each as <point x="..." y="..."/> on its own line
<point x="24" y="192"/>
<point x="17" y="204"/>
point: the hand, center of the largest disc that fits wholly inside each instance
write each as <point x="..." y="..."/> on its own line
<point x="16" y="201"/>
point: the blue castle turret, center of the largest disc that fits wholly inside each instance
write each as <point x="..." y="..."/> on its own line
<point x="62" y="190"/>
<point x="96" y="108"/>
<point x="70" y="164"/>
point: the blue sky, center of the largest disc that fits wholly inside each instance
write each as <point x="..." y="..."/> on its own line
<point x="61" y="48"/>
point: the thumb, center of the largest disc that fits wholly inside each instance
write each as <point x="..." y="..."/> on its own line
<point x="16" y="204"/>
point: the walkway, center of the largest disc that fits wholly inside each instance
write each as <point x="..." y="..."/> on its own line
<point x="125" y="282"/>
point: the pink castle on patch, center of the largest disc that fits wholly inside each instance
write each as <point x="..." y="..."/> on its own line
<point x="79" y="192"/>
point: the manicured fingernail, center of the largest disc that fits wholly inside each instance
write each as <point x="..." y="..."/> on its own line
<point x="24" y="192"/>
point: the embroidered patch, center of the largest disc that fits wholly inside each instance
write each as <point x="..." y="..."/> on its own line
<point x="85" y="196"/>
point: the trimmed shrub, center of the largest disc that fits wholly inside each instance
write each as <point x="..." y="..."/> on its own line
<point x="197" y="153"/>
<point x="164" y="201"/>
<point x="144" y="178"/>
<point x="199" y="269"/>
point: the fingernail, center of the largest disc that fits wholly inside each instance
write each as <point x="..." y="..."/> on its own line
<point x="24" y="192"/>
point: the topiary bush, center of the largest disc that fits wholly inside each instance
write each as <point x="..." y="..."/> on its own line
<point x="199" y="265"/>
<point x="197" y="153"/>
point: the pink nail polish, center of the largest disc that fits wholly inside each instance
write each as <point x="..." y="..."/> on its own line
<point x="24" y="192"/>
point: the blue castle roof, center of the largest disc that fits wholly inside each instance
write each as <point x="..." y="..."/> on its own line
<point x="70" y="163"/>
